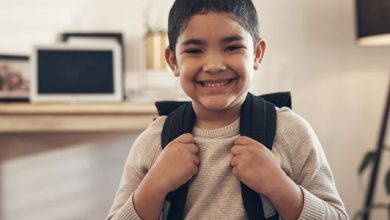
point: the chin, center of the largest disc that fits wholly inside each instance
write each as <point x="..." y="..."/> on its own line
<point x="216" y="104"/>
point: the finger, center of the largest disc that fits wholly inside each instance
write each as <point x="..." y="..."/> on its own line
<point x="244" y="140"/>
<point x="185" y="138"/>
<point x="234" y="161"/>
<point x="195" y="171"/>
<point x="196" y="160"/>
<point x="192" y="148"/>
<point x="237" y="150"/>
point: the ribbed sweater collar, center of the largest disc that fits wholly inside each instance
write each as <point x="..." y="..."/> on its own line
<point x="228" y="130"/>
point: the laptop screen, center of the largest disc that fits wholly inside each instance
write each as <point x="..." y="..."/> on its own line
<point x="75" y="72"/>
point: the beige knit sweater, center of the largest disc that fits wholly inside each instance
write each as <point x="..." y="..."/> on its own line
<point x="215" y="192"/>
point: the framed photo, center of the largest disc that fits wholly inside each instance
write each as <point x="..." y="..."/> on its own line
<point x="14" y="78"/>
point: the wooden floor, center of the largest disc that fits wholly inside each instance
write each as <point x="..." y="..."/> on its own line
<point x="60" y="176"/>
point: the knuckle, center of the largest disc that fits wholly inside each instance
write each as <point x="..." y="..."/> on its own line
<point x="194" y="148"/>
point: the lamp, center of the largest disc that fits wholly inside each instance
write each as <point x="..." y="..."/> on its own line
<point x="373" y="22"/>
<point x="373" y="29"/>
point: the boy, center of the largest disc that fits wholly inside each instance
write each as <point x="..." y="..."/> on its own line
<point x="214" y="48"/>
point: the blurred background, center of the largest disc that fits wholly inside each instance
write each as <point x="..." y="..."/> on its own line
<point x="338" y="86"/>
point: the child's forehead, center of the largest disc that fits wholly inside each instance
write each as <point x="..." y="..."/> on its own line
<point x="212" y="24"/>
<point x="203" y="19"/>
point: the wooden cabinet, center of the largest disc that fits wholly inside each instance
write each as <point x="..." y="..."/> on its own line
<point x="75" y="117"/>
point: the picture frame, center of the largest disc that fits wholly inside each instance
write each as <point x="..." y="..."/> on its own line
<point x="14" y="78"/>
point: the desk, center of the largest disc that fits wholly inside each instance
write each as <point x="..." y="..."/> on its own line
<point x="75" y="117"/>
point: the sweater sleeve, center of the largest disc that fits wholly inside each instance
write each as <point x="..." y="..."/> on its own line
<point x="305" y="162"/>
<point x="142" y="155"/>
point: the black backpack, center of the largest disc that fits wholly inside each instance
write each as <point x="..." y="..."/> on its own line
<point x="257" y="121"/>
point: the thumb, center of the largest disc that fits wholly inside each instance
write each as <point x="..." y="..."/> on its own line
<point x="185" y="138"/>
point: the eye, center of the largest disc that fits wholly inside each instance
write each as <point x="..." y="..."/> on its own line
<point x="193" y="51"/>
<point x="233" y="48"/>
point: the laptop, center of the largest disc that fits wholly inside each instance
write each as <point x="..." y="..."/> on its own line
<point x="76" y="73"/>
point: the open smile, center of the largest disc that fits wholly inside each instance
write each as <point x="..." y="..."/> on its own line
<point x="215" y="83"/>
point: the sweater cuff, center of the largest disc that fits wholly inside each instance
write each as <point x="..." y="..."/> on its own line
<point x="313" y="207"/>
<point x="128" y="210"/>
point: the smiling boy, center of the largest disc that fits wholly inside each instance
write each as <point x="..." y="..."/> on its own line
<point x="215" y="67"/>
<point x="214" y="48"/>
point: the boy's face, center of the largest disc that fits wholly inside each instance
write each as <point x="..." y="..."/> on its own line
<point x="215" y="59"/>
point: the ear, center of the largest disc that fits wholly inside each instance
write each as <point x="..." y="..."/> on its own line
<point x="171" y="60"/>
<point x="259" y="53"/>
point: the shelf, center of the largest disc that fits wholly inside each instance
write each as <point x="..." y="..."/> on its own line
<point x="75" y="117"/>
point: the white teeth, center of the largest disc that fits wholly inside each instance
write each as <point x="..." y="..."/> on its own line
<point x="211" y="84"/>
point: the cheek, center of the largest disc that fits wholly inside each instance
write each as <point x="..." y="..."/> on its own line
<point x="243" y="66"/>
<point x="186" y="78"/>
<point x="185" y="75"/>
<point x="245" y="70"/>
<point x="187" y="70"/>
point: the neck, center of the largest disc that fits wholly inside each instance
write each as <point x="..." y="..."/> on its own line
<point x="216" y="119"/>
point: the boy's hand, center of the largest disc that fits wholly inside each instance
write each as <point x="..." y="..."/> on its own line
<point x="176" y="164"/>
<point x="256" y="166"/>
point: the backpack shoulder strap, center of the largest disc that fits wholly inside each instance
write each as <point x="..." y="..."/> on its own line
<point x="166" y="107"/>
<point x="257" y="121"/>
<point x="280" y="99"/>
<point x="178" y="122"/>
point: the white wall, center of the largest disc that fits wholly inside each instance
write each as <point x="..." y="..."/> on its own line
<point x="338" y="86"/>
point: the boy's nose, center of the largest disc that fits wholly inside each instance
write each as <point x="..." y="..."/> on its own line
<point x="214" y="64"/>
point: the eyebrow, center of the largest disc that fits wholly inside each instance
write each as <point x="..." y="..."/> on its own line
<point x="231" y="39"/>
<point x="202" y="42"/>
<point x="193" y="41"/>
